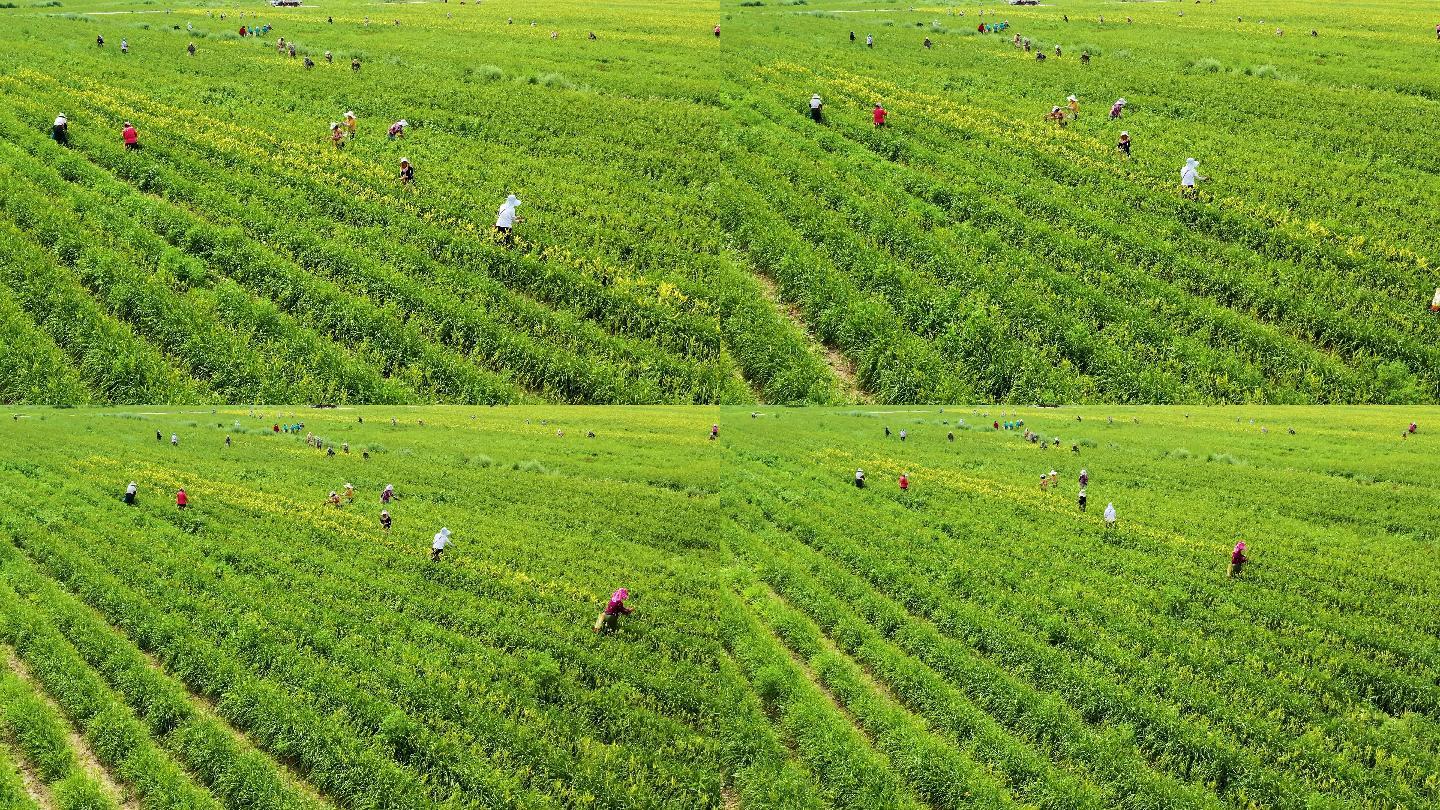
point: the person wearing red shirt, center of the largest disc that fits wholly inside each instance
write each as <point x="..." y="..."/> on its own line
<point x="131" y="137"/>
<point x="182" y="501"/>
<point x="904" y="482"/>
<point x="879" y="115"/>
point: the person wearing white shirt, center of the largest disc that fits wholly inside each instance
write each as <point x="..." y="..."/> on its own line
<point x="437" y="547"/>
<point x="505" y="219"/>
<point x="1189" y="176"/>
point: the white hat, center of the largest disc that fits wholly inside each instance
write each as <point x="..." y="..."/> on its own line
<point x="1125" y="133"/>
<point x="1071" y="98"/>
<point x="349" y="113"/>
<point x="334" y="125"/>
<point x="1191" y="162"/>
<point x="445" y="532"/>
<point x="512" y="200"/>
<point x="817" y="95"/>
<point x="349" y="486"/>
<point x="1056" y="108"/>
<point x="404" y="160"/>
<point x="1121" y="101"/>
<point x="402" y="122"/>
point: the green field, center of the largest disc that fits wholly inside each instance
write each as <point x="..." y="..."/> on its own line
<point x="690" y="235"/>
<point x="971" y="251"/>
<point x="264" y="649"/>
<point x="977" y="642"/>
<point x="798" y="642"/>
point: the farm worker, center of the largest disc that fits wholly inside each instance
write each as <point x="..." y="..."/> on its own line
<point x="904" y="482"/>
<point x="852" y="35"/>
<point x="384" y="520"/>
<point x="355" y="64"/>
<point x="997" y="424"/>
<point x="1057" y="50"/>
<point x="859" y="479"/>
<point x="189" y="26"/>
<point x="124" y="46"/>
<point x="717" y="31"/>
<point x="407" y="172"/>
<point x="227" y="441"/>
<point x="950" y="436"/>
<point x="130" y="136"/>
<point x="714" y="432"/>
<point x="1437" y="31"/>
<point x="1056" y="114"/>
<point x="350" y="492"/>
<point x="1054" y="479"/>
<point x="244" y="31"/>
<point x="130" y="493"/>
<point x="1039" y="56"/>
<point x="329" y="57"/>
<point x="1124" y="144"/>
<point x="927" y="43"/>
<point x="1082" y="499"/>
<point x="1435" y="302"/>
<point x="182" y="501"/>
<point x="879" y="115"/>
<point x="437" y="547"/>
<point x="60" y="131"/>
<point x="351" y="123"/>
<point x="334" y="499"/>
<point x="337" y="135"/>
<point x="887" y="431"/>
<point x="100" y="40"/>
<point x="1084" y="57"/>
<point x="174" y="440"/>
<point x="980" y="29"/>
<point x="309" y="63"/>
<point x="903" y="434"/>
<point x="397" y="129"/>
<point x="292" y="50"/>
<point x="1414" y="427"/>
<point x="816" y="105"/>
<point x="1074" y="104"/>
<point x="1237" y="559"/>
<point x="387" y="493"/>
<point x="505" y="219"/>
<point x="1044" y="482"/>
<point x="191" y="49"/>
<point x="158" y="437"/>
<point x="276" y="427"/>
<point x="1109" y="516"/>
<point x="869" y="41"/>
<point x="1084" y="478"/>
<point x="1189" y="176"/>
<point x="609" y="619"/>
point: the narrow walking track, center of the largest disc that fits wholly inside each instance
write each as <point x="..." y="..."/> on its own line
<point x="88" y="762"/>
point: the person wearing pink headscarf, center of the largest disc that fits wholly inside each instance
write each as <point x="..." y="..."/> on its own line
<point x="1237" y="559"/>
<point x="609" y="619"/>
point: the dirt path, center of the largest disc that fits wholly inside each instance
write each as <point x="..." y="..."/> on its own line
<point x="88" y="763"/>
<point x="206" y="709"/>
<point x="840" y="365"/>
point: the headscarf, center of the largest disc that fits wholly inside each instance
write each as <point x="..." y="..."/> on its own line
<point x="619" y="596"/>
<point x="1083" y="472"/>
<point x="402" y="122"/>
<point x="61" y="120"/>
<point x="389" y="487"/>
<point x="1240" y="546"/>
